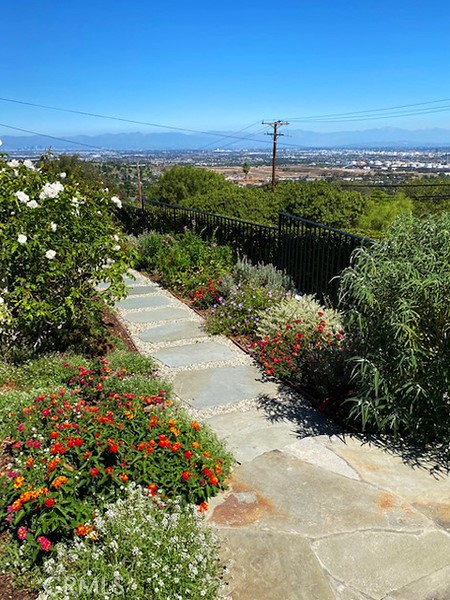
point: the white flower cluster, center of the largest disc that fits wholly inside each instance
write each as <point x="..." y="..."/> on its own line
<point x="51" y="190"/>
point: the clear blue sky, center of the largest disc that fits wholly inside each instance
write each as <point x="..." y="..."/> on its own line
<point x="221" y="65"/>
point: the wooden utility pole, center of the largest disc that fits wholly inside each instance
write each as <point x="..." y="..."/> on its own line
<point x="276" y="135"/>
<point x="139" y="186"/>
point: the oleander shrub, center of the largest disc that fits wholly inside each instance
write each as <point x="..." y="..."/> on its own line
<point x="303" y="342"/>
<point x="396" y="295"/>
<point x="57" y="240"/>
<point x="75" y="448"/>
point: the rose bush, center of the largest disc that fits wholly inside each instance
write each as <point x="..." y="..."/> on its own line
<point x="57" y="240"/>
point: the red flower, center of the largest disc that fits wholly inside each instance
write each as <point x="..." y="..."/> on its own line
<point x="114" y="448"/>
<point x="94" y="472"/>
<point x="188" y="454"/>
<point x="123" y="477"/>
<point x="185" y="475"/>
<point x="49" y="502"/>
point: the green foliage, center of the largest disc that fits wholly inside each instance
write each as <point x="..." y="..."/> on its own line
<point x="147" y="550"/>
<point x="396" y="296"/>
<point x="250" y="204"/>
<point x="180" y="182"/>
<point x="429" y="196"/>
<point x="381" y="211"/>
<point x="302" y="341"/>
<point x="56" y="242"/>
<point x="321" y="202"/>
<point x="78" y="446"/>
<point x="260" y="275"/>
<point x="240" y="311"/>
<point x="184" y="262"/>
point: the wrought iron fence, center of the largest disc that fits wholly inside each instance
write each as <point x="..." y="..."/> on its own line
<point x="311" y="253"/>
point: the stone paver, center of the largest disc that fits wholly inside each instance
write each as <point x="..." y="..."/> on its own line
<point x="195" y="354"/>
<point x="184" y="330"/>
<point x="377" y="562"/>
<point x="269" y="573"/>
<point x="220" y="386"/>
<point x="158" y="314"/>
<point x="310" y="514"/>
<point x="135" y="302"/>
<point x="143" y="289"/>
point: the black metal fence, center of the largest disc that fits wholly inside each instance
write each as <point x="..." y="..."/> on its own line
<point x="311" y="253"/>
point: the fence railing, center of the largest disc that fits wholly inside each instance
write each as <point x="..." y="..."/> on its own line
<point x="311" y="253"/>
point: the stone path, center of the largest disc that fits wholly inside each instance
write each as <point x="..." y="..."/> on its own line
<point x="311" y="513"/>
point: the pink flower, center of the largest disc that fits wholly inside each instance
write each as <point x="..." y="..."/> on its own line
<point x="22" y="533"/>
<point x="44" y="543"/>
<point x="21" y="427"/>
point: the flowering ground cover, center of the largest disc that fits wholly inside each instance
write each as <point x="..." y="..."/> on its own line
<point x="72" y="449"/>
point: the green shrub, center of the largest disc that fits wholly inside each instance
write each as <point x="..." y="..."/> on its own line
<point x="144" y="550"/>
<point x="239" y="313"/>
<point x="398" y="314"/>
<point x="56" y="243"/>
<point x="302" y="341"/>
<point x="259" y="275"/>
<point x="184" y="262"/>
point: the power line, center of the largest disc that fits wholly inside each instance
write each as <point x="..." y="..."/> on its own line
<point x="123" y="120"/>
<point x="275" y="135"/>
<point x="363" y="112"/>
<point x="54" y="137"/>
<point x="222" y="137"/>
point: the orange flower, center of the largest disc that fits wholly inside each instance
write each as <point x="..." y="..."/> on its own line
<point x="195" y="426"/>
<point x="153" y="488"/>
<point x="175" y="431"/>
<point x="18" y="482"/>
<point x="16" y="505"/>
<point x="213" y="480"/>
<point x="195" y="445"/>
<point x="123" y="477"/>
<point x="59" y="481"/>
<point x="203" y="507"/>
<point x="171" y="423"/>
<point x="176" y="446"/>
<point x="30" y="462"/>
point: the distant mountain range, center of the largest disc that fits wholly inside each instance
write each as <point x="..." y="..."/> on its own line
<point x="387" y="137"/>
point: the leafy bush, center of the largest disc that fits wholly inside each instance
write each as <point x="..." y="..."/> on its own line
<point x="56" y="242"/>
<point x="184" y="262"/>
<point x="302" y="341"/>
<point x="398" y="313"/>
<point x="76" y="448"/>
<point x="240" y="312"/>
<point x="144" y="549"/>
<point x="260" y="275"/>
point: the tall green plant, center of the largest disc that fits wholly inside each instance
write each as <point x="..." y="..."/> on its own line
<point x="396" y="296"/>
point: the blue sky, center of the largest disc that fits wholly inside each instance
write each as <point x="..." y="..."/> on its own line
<point x="221" y="65"/>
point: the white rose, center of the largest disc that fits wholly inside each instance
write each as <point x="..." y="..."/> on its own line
<point x="32" y="204"/>
<point x="22" y="238"/>
<point x="117" y="201"/>
<point x="22" y="196"/>
<point x="29" y="165"/>
<point x="53" y="226"/>
<point x="63" y="175"/>
<point x="50" y="254"/>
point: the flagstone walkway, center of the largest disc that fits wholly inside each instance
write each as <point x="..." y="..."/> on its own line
<point x="311" y="513"/>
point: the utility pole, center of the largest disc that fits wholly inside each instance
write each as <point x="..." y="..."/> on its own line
<point x="139" y="186"/>
<point x="276" y="135"/>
